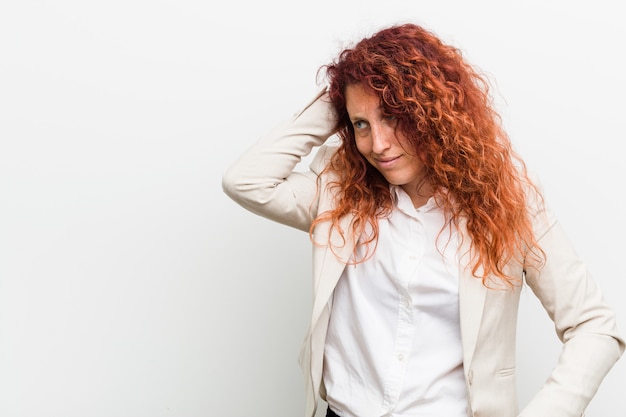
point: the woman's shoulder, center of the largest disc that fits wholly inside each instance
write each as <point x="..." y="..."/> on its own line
<point x="324" y="155"/>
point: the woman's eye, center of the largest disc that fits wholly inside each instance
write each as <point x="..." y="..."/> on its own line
<point x="359" y="124"/>
<point x="391" y="120"/>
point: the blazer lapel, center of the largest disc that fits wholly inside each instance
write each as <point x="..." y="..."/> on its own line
<point x="329" y="265"/>
<point x="472" y="295"/>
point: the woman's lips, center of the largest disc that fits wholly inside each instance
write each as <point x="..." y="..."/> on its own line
<point x="387" y="162"/>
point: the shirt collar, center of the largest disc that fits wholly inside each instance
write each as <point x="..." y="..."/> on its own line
<point x="404" y="203"/>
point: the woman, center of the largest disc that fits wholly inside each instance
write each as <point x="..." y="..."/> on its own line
<point x="425" y="226"/>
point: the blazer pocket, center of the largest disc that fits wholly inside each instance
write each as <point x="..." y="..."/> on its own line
<point x="505" y="372"/>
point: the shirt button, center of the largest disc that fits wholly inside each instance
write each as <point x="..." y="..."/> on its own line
<point x="401" y="357"/>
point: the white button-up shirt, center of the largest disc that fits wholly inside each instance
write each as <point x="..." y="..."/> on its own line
<point x="393" y="346"/>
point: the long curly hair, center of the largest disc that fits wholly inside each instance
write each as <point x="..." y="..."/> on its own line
<point x="444" y="109"/>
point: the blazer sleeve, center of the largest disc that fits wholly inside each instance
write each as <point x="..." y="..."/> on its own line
<point x="263" y="179"/>
<point x="583" y="321"/>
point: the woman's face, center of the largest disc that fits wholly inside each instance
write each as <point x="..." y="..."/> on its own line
<point x="379" y="142"/>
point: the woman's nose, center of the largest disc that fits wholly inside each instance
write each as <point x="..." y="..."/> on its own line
<point x="381" y="138"/>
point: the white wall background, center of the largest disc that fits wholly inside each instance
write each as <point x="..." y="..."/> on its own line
<point x="130" y="286"/>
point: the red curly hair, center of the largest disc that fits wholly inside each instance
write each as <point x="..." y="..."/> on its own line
<point x="444" y="109"/>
